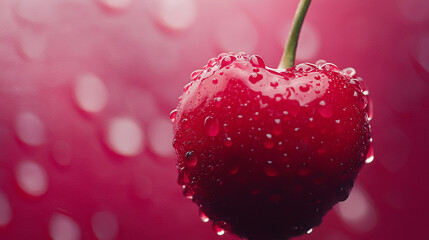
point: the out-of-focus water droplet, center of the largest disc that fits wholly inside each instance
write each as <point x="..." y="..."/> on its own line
<point x="269" y="141"/>
<point x="62" y="227"/>
<point x="227" y="141"/>
<point x="5" y="210"/>
<point x="116" y="4"/>
<point x="33" y="46"/>
<point x="214" y="81"/>
<point x="105" y="225"/>
<point x="30" y="129"/>
<point x="204" y="217"/>
<point x="211" y="126"/>
<point x="257" y="61"/>
<point x="61" y="153"/>
<point x="173" y="115"/>
<point x="236" y="32"/>
<point x="271" y="171"/>
<point x="358" y="211"/>
<point x="191" y="159"/>
<point x="160" y="137"/>
<point x="124" y="136"/>
<point x="38" y="12"/>
<point x="90" y="93"/>
<point x="31" y="178"/>
<point x="370" y="155"/>
<point x="325" y="110"/>
<point x="177" y="14"/>
<point x="350" y="72"/>
<point x="317" y="77"/>
<point x="221" y="227"/>
<point x="255" y="77"/>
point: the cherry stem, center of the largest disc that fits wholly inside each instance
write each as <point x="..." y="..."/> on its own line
<point x="288" y="57"/>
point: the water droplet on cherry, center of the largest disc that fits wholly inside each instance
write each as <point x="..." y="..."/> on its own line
<point x="211" y="126"/>
<point x="173" y="115"/>
<point x="257" y="61"/>
<point x="255" y="77"/>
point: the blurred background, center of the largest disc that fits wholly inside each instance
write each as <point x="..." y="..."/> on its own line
<point x="86" y="88"/>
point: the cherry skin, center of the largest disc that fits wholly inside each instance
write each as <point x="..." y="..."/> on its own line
<point x="269" y="152"/>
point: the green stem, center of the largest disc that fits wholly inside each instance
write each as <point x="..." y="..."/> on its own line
<point x="288" y="57"/>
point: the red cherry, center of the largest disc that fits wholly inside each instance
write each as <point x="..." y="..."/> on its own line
<point x="268" y="152"/>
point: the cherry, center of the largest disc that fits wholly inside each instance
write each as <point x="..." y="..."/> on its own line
<point x="266" y="153"/>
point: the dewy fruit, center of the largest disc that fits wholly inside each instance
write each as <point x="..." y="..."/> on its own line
<point x="265" y="153"/>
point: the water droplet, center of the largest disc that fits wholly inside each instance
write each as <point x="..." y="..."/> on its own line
<point x="227" y="141"/>
<point x="358" y="212"/>
<point x="370" y="109"/>
<point x="105" y="225"/>
<point x="188" y="193"/>
<point x="221" y="227"/>
<point x="31" y="178"/>
<point x="325" y="110"/>
<point x="191" y="159"/>
<point x="227" y="60"/>
<point x="204" y="217"/>
<point x="317" y="77"/>
<point x="274" y="84"/>
<point x="173" y="115"/>
<point x="62" y="227"/>
<point x="30" y="129"/>
<point x="195" y="74"/>
<point x="268" y="142"/>
<point x="5" y="210"/>
<point x="330" y="67"/>
<point x="218" y="102"/>
<point x="362" y="102"/>
<point x="277" y="128"/>
<point x="183" y="178"/>
<point x="255" y="77"/>
<point x="257" y="61"/>
<point x="61" y="153"/>
<point x="211" y="126"/>
<point x="27" y="10"/>
<point x="160" y="136"/>
<point x="350" y="72"/>
<point x="370" y="155"/>
<point x="177" y="14"/>
<point x="124" y="136"/>
<point x="271" y="171"/>
<point x="90" y="93"/>
<point x="304" y="88"/>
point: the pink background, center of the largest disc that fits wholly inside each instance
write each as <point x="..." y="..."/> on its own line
<point x="86" y="87"/>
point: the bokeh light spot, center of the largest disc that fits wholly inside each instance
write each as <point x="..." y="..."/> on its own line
<point x="125" y="136"/>
<point x="90" y="93"/>
<point x="31" y="178"/>
<point x="62" y="227"/>
<point x="30" y="129"/>
<point x="105" y="225"/>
